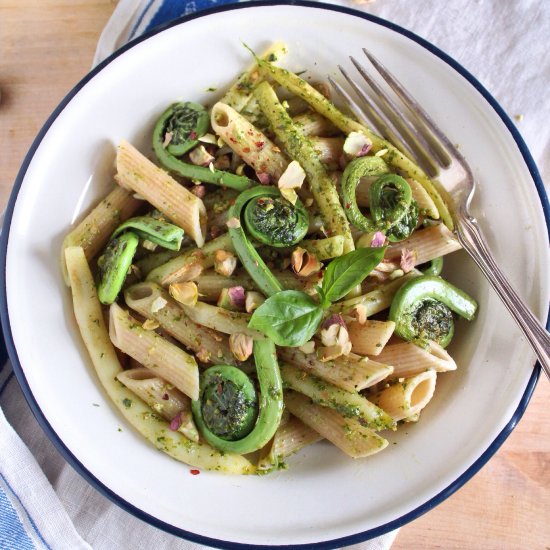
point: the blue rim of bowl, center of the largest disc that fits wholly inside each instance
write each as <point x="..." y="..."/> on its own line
<point x="80" y="468"/>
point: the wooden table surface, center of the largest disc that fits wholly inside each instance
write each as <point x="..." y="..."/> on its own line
<point x="46" y="46"/>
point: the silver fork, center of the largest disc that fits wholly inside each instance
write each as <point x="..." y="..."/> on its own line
<point x="410" y="129"/>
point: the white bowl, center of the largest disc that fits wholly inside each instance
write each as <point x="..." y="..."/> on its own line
<point x="324" y="498"/>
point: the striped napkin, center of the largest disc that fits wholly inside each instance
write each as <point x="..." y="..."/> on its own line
<point x="44" y="503"/>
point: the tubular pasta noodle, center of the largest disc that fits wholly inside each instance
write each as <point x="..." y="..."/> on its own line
<point x="347" y="434"/>
<point x="428" y="244"/>
<point x="208" y="345"/>
<point x="93" y="232"/>
<point x="408" y="359"/>
<point x="248" y="142"/>
<point x="376" y="300"/>
<point x="407" y="397"/>
<point x="348" y="374"/>
<point x="162" y="397"/>
<point x="177" y="269"/>
<point x="239" y="93"/>
<point x="222" y="320"/>
<point x="370" y="337"/>
<point x="89" y="317"/>
<point x="323" y="106"/>
<point x="290" y="437"/>
<point x="347" y="403"/>
<point x="301" y="149"/>
<point x="154" y="352"/>
<point x="137" y="172"/>
<point x="314" y="124"/>
<point x="328" y="149"/>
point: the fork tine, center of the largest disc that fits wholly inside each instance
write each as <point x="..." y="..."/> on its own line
<point x="431" y="130"/>
<point x="357" y="110"/>
<point x="381" y="123"/>
<point x="414" y="139"/>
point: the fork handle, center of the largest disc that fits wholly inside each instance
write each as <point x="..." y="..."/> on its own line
<point x="470" y="237"/>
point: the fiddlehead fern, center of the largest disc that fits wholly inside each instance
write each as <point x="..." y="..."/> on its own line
<point x="176" y="132"/>
<point x="422" y="309"/>
<point x="392" y="208"/>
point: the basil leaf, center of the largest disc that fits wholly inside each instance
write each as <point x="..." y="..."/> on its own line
<point x="345" y="272"/>
<point x="288" y="318"/>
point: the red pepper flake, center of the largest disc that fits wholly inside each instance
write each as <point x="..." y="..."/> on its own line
<point x="193" y="135"/>
<point x="348" y="205"/>
<point x="246" y="149"/>
<point x="259" y="144"/>
<point x="232" y="140"/>
<point x="194" y="472"/>
<point x="165" y="397"/>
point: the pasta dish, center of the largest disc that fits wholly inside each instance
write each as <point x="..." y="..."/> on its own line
<point x="271" y="279"/>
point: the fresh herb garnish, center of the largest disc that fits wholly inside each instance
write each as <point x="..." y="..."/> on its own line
<point x="291" y="317"/>
<point x="288" y="318"/>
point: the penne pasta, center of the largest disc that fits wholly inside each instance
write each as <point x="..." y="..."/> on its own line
<point x="328" y="149"/>
<point x="248" y="142"/>
<point x="222" y="320"/>
<point x="208" y="345"/>
<point x="408" y="359"/>
<point x="89" y="317"/>
<point x="93" y="232"/>
<point x="162" y="397"/>
<point x="370" y="337"/>
<point x="190" y="264"/>
<point x="348" y="374"/>
<point x="137" y="172"/>
<point x="349" y="404"/>
<point x="154" y="352"/>
<point x="239" y="93"/>
<point x="376" y="300"/>
<point x="325" y="249"/>
<point x="314" y="124"/>
<point x="427" y="244"/>
<point x="406" y="397"/>
<point x="290" y="437"/>
<point x="348" y="434"/>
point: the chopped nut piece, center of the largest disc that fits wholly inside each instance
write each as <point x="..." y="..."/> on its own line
<point x="208" y="138"/>
<point x="304" y="263"/>
<point x="158" y="304"/>
<point x="203" y="355"/>
<point x="200" y="156"/>
<point x="241" y="346"/>
<point x="357" y="144"/>
<point x="329" y="353"/>
<point x="253" y="300"/>
<point x="360" y="313"/>
<point x="150" y="324"/>
<point x="198" y="191"/>
<point x="185" y="293"/>
<point x="308" y="347"/>
<point x="233" y="223"/>
<point x="148" y="245"/>
<point x="408" y="259"/>
<point x="167" y="139"/>
<point x="225" y="263"/>
<point x="293" y="177"/>
<point x="232" y="298"/>
<point x="290" y="195"/>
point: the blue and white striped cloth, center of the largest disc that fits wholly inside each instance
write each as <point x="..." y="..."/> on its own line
<point x="44" y="503"/>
